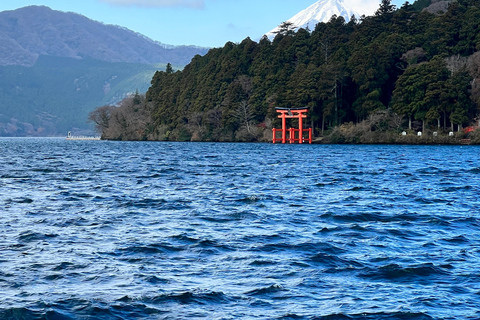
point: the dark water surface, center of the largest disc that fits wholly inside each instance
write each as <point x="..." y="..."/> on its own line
<point x="110" y="230"/>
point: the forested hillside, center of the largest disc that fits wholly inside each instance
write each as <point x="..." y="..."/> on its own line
<point x="415" y="68"/>
<point x="56" y="94"/>
<point x="56" y="67"/>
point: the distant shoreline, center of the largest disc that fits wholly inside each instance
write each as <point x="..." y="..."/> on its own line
<point x="318" y="141"/>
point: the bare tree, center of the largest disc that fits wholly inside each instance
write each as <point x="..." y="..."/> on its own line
<point x="195" y="119"/>
<point x="101" y="117"/>
<point x="131" y="120"/>
<point x="196" y="125"/>
<point x="244" y="115"/>
<point x="214" y="117"/>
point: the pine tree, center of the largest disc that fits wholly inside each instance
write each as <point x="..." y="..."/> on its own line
<point x="286" y="28"/>
<point x="386" y="7"/>
<point x="169" y="68"/>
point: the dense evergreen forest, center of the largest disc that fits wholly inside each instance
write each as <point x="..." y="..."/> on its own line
<point x="408" y="69"/>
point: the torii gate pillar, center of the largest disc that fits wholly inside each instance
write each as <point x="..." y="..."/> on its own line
<point x="295" y="114"/>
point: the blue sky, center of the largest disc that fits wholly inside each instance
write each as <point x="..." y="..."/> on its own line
<point x="208" y="23"/>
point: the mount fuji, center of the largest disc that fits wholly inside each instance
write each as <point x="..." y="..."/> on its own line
<point x="323" y="10"/>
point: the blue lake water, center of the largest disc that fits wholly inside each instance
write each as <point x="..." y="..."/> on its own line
<point x="138" y="230"/>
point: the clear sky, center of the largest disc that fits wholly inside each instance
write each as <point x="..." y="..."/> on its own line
<point x="207" y="23"/>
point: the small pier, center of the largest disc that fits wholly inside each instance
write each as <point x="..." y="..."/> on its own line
<point x="70" y="137"/>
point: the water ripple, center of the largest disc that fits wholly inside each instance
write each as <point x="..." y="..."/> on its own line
<point x="108" y="230"/>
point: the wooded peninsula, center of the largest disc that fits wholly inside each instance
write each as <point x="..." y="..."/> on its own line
<point x="378" y="79"/>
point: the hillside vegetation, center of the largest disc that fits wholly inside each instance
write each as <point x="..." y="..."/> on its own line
<point x="411" y="69"/>
<point x="56" y="67"/>
<point x="56" y="94"/>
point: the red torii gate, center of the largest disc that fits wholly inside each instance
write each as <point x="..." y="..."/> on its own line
<point x="295" y="113"/>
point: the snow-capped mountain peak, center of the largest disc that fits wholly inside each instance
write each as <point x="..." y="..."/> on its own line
<point x="323" y="10"/>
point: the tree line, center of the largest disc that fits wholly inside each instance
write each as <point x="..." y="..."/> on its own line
<point x="417" y="63"/>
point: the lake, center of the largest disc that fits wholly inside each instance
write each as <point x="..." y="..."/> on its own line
<point x="144" y="230"/>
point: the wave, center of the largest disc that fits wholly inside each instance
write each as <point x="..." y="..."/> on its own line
<point x="20" y="201"/>
<point x="257" y="198"/>
<point x="395" y="272"/>
<point x="187" y="297"/>
<point x="377" y="216"/>
<point x="474" y="170"/>
<point x="335" y="262"/>
<point x="46" y="170"/>
<point x="29" y="236"/>
<point x="274" y="288"/>
<point x="460" y="239"/>
<point x="21" y="313"/>
<point x="456" y="188"/>
<point x="150" y="249"/>
<point x="377" y="316"/>
<point x="151" y="203"/>
<point x="434" y="171"/>
<point x="293" y="316"/>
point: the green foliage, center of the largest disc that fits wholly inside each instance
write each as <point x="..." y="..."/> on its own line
<point x="169" y="68"/>
<point x="343" y="72"/>
<point x="286" y="28"/>
<point x="386" y="7"/>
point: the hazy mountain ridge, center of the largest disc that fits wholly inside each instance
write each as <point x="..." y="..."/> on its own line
<point x="32" y="31"/>
<point x="55" y="67"/>
<point x="56" y="94"/>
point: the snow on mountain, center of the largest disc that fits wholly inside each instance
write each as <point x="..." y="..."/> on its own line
<point x="323" y="10"/>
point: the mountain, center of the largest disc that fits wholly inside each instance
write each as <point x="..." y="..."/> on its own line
<point x="56" y="94"/>
<point x="56" y="67"/>
<point x="323" y="10"/>
<point x="29" y="32"/>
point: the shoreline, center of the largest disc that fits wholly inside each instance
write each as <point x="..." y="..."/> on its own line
<point x="384" y="138"/>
